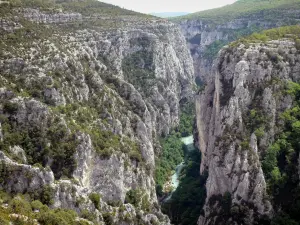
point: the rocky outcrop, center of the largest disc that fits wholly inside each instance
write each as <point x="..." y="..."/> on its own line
<point x="38" y="16"/>
<point x="237" y="120"/>
<point x="206" y="36"/>
<point x="88" y="104"/>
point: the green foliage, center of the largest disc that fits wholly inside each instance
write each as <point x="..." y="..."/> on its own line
<point x="37" y="205"/>
<point x="23" y="205"/>
<point x="280" y="163"/>
<point x="133" y="197"/>
<point x="139" y="70"/>
<point x="270" y="159"/>
<point x="259" y="132"/>
<point x="32" y="3"/>
<point x="243" y="8"/>
<point x="3" y="221"/>
<point x="186" y="122"/>
<point x="284" y="219"/>
<point x="10" y="107"/>
<point x="25" y="37"/>
<point x="292" y="32"/>
<point x="87" y="7"/>
<point x="20" y="205"/>
<point x="35" y="141"/>
<point x="245" y="145"/>
<point x="187" y="201"/>
<point x="138" y="198"/>
<point x="297" y="44"/>
<point x="95" y="198"/>
<point x="88" y="215"/>
<point x="81" y="118"/>
<point x="171" y="156"/>
<point x="57" y="217"/>
<point x="212" y="50"/>
<point x="47" y="195"/>
<point x="172" y="147"/>
<point x="90" y="7"/>
<point x="255" y="119"/>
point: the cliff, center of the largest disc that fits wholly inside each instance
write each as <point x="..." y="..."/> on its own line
<point x="208" y="31"/>
<point x="246" y="119"/>
<point x="86" y="90"/>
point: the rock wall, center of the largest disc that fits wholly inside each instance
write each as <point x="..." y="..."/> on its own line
<point x="247" y="80"/>
<point x="202" y="33"/>
<point x="124" y="84"/>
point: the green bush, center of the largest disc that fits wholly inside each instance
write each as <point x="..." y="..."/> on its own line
<point x="37" y="205"/>
<point x="133" y="197"/>
<point x="88" y="215"/>
<point x="47" y="195"/>
<point x="245" y="145"/>
<point x="20" y="206"/>
<point x="95" y="198"/>
<point x="297" y="44"/>
<point x="50" y="218"/>
<point x="10" y="107"/>
<point x="4" y="221"/>
<point x="259" y="132"/>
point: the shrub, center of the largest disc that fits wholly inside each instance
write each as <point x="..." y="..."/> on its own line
<point x="20" y="205"/>
<point x="88" y="215"/>
<point x="245" y="145"/>
<point x="259" y="132"/>
<point x="47" y="195"/>
<point x="297" y="44"/>
<point x="133" y="197"/>
<point x="37" y="205"/>
<point x="4" y="221"/>
<point x="50" y="218"/>
<point x="108" y="218"/>
<point x="10" y="107"/>
<point x="95" y="198"/>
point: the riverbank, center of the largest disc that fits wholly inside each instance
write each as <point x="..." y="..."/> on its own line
<point x="171" y="185"/>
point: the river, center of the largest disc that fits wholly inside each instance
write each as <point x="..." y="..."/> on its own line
<point x="189" y="144"/>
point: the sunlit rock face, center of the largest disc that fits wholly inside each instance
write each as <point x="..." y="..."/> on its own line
<point x="96" y="92"/>
<point x="246" y="81"/>
<point x="205" y="36"/>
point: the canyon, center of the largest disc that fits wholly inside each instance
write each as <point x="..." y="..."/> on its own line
<point x="95" y="100"/>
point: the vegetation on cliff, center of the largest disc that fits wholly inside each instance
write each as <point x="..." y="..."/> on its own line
<point x="280" y="164"/>
<point x="243" y="8"/>
<point x="188" y="199"/>
<point x="172" y="152"/>
<point x="87" y="7"/>
<point x="23" y="210"/>
<point x="290" y="32"/>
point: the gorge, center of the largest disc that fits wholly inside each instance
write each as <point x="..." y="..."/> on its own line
<point x="99" y="105"/>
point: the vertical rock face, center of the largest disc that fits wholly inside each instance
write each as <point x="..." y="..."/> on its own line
<point x="238" y="116"/>
<point x="101" y="96"/>
<point x="205" y="36"/>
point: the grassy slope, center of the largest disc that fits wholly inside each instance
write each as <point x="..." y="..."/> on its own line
<point x="240" y="8"/>
<point x="291" y="32"/>
<point x="86" y="7"/>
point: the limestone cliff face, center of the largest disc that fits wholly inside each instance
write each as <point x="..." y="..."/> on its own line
<point x="206" y="36"/>
<point x="238" y="116"/>
<point x="98" y="89"/>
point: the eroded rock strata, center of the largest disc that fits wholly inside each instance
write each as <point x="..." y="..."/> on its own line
<point x="83" y="100"/>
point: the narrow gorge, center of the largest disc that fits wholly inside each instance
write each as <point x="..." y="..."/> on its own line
<point x="109" y="116"/>
<point x="87" y="89"/>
